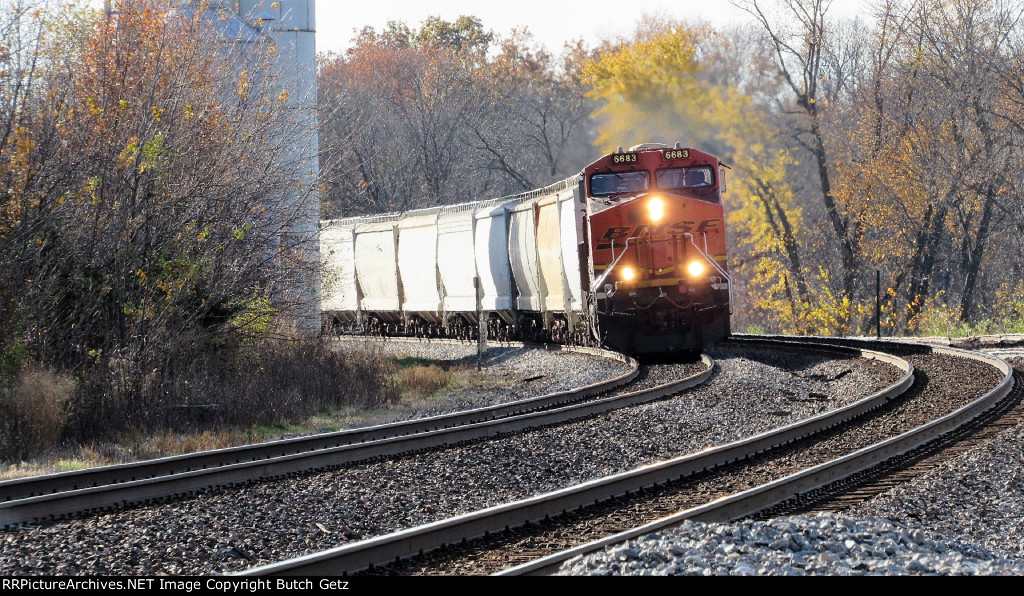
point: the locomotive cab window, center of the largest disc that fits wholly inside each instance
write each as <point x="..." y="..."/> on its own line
<point x="673" y="178"/>
<point x="615" y="183"/>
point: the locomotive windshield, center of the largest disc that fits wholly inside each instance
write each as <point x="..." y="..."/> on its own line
<point x="671" y="178"/>
<point x="619" y="182"/>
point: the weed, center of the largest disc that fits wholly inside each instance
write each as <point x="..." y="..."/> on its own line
<point x="13" y="358"/>
<point x="421" y="381"/>
<point x="33" y="411"/>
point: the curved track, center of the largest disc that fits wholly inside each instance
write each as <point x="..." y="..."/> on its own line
<point x="831" y="476"/>
<point x="497" y="520"/>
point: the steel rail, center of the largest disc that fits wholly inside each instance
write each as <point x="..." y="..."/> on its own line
<point x="754" y="500"/>
<point x="358" y="556"/>
<point x="108" y="496"/>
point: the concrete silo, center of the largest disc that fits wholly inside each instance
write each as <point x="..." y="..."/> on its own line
<point x="291" y="27"/>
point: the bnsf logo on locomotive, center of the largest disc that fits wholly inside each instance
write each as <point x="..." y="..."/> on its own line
<point x="678" y="228"/>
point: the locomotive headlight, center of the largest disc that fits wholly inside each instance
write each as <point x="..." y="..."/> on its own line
<point x="696" y="269"/>
<point x="628" y="274"/>
<point x="656" y="208"/>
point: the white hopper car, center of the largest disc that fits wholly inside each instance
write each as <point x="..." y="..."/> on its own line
<point x="519" y="264"/>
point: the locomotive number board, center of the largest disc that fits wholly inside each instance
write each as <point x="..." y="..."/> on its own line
<point x="677" y="154"/>
<point x="625" y="158"/>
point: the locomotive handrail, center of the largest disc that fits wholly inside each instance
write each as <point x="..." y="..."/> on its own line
<point x="607" y="272"/>
<point x="714" y="263"/>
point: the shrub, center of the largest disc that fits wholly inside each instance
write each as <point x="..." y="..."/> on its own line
<point x="33" y="411"/>
<point x="13" y="358"/>
<point x="217" y="386"/>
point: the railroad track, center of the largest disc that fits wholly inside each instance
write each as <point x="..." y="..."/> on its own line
<point x="840" y="496"/>
<point x="724" y="483"/>
<point x="49" y="497"/>
<point x="715" y="487"/>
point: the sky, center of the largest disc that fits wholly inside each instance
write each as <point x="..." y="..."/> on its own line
<point x="552" y="22"/>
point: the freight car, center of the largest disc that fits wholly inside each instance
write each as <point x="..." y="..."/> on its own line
<point x="630" y="253"/>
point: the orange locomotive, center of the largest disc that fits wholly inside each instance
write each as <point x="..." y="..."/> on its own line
<point x="657" y="239"/>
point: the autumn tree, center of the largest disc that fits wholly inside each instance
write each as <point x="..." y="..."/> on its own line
<point x="801" y="41"/>
<point x="394" y="110"/>
<point x="145" y="169"/>
<point x="421" y="117"/>
<point x="685" y="82"/>
<point x="931" y="160"/>
<point x="534" y="126"/>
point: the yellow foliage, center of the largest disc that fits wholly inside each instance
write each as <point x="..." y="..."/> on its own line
<point x="244" y="85"/>
<point x="130" y="152"/>
<point x="648" y="88"/>
<point x="93" y="106"/>
<point x="657" y="86"/>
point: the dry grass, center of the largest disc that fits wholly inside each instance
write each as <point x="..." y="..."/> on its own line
<point x="194" y="401"/>
<point x="135" y="446"/>
<point x="33" y="411"/>
<point x="138" y="445"/>
<point x="421" y="384"/>
<point x="422" y="381"/>
<point x="225" y="389"/>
